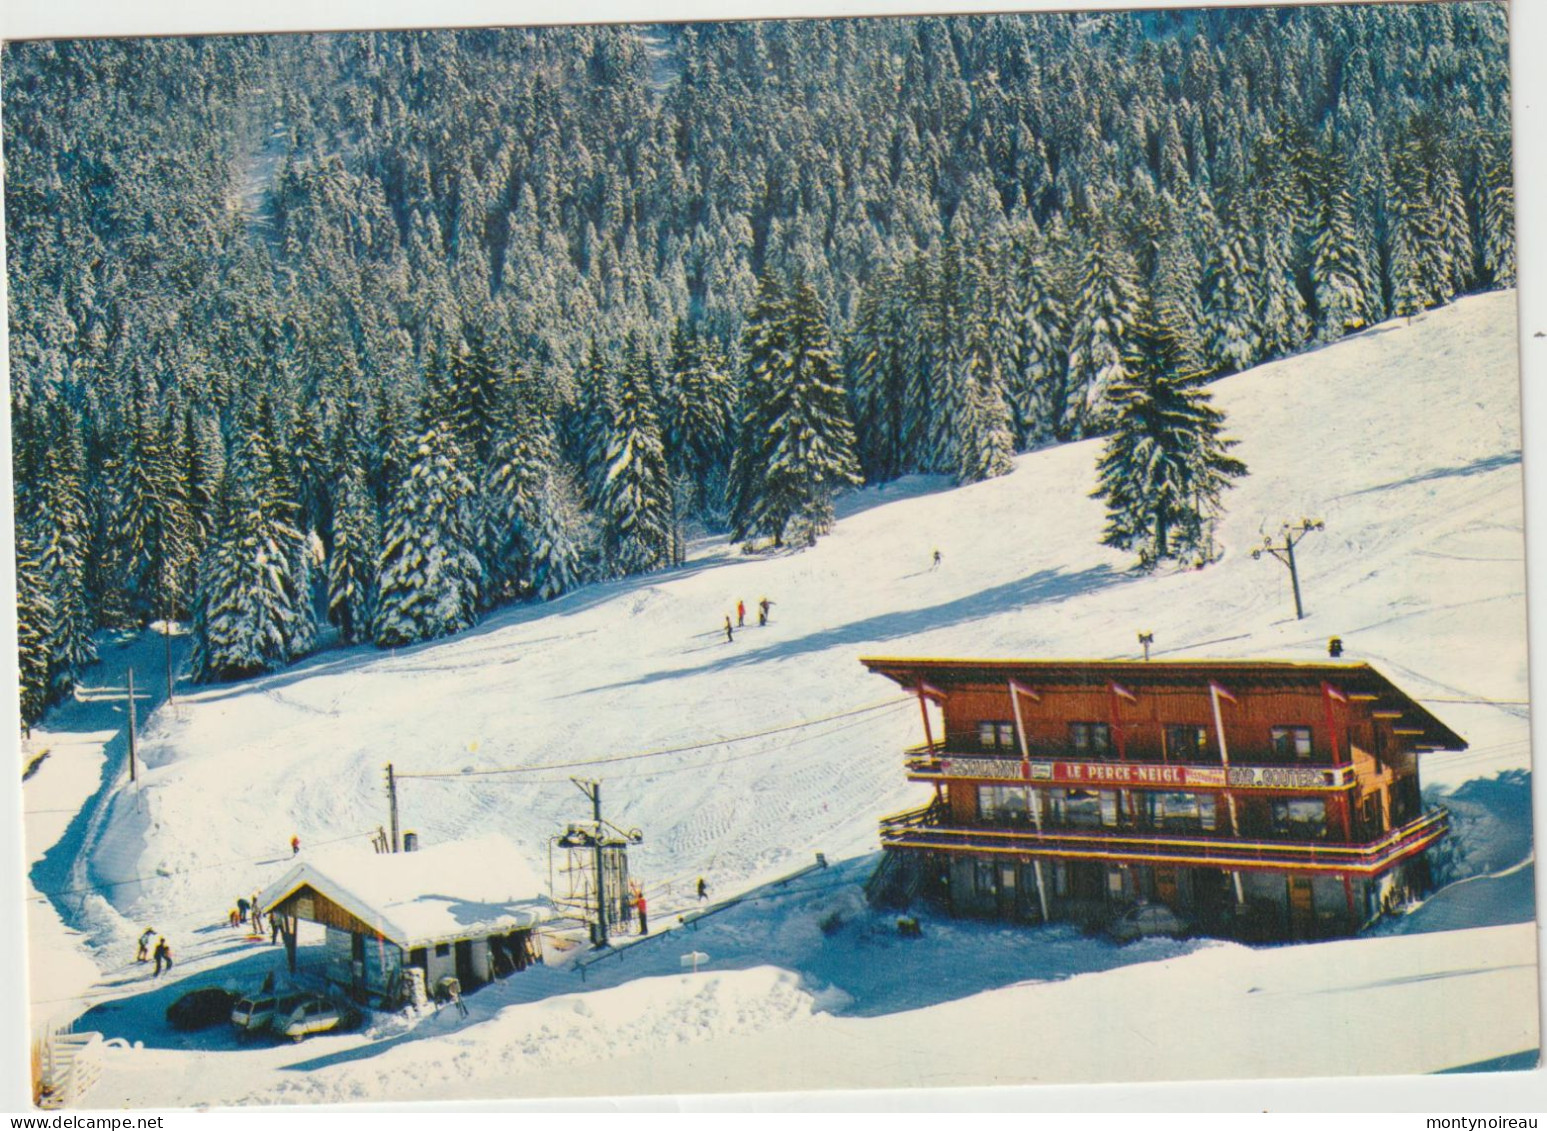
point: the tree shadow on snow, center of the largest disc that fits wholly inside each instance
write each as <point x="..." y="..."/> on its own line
<point x="1480" y="466"/>
<point x="760" y="645"/>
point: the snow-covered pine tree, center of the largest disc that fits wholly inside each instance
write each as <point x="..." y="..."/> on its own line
<point x="252" y="609"/>
<point x="1338" y="266"/>
<point x="1103" y="308"/>
<point x="797" y="445"/>
<point x="635" y="496"/>
<point x="563" y="537"/>
<point x="428" y="578"/>
<point x="1498" y="213"/>
<point x="34" y="629"/>
<point x="1232" y="339"/>
<point x="508" y="500"/>
<point x="1037" y="381"/>
<point x="150" y="514"/>
<point x="355" y="553"/>
<point x="1165" y="464"/>
<point x="699" y="414"/>
<point x="58" y="516"/>
<point x="973" y="432"/>
<point x="1431" y="243"/>
<point x="879" y="378"/>
<point x="590" y="420"/>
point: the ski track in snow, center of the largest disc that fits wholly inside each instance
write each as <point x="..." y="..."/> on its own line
<point x="1405" y="439"/>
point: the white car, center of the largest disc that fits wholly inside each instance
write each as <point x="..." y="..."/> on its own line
<point x="313" y="1014"/>
<point x="1148" y="920"/>
<point x="256" y="1012"/>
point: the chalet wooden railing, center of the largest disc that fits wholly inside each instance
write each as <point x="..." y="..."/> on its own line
<point x="936" y="763"/>
<point x="912" y="830"/>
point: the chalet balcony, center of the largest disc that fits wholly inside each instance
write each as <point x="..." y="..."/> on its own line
<point x="935" y="763"/>
<point x="928" y="829"/>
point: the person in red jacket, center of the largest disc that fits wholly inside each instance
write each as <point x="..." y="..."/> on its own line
<point x="639" y="905"/>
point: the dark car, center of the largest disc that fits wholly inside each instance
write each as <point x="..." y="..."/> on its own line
<point x="1148" y="920"/>
<point x="199" y="1009"/>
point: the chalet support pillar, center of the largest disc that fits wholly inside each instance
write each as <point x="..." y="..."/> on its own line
<point x="288" y="927"/>
<point x="1224" y="760"/>
<point x="1031" y="799"/>
<point x="929" y="738"/>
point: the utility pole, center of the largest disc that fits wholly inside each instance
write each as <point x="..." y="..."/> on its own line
<point x="392" y="806"/>
<point x="1291" y="534"/>
<point x="593" y="790"/>
<point x="134" y="774"/>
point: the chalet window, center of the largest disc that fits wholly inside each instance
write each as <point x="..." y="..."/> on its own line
<point x="1292" y="742"/>
<point x="1003" y="805"/>
<point x="1187" y="744"/>
<point x="1183" y="812"/>
<point x="442" y="949"/>
<point x="1090" y="740"/>
<point x="996" y="735"/>
<point x="985" y="878"/>
<point x="1083" y="808"/>
<point x="1303" y="818"/>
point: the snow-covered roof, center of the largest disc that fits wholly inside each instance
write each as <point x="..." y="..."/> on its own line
<point x="440" y="893"/>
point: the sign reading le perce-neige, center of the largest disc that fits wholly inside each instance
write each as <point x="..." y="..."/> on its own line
<point x="1145" y="774"/>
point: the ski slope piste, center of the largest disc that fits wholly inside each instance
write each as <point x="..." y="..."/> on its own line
<point x="739" y="760"/>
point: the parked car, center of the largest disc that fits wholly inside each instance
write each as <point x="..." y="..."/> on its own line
<point x="314" y="1014"/>
<point x="256" y="1013"/>
<point x="201" y="1008"/>
<point x="1148" y="920"/>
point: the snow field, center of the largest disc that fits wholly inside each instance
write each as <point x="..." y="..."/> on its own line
<point x="1403" y="439"/>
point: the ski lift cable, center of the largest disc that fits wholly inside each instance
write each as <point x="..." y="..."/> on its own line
<point x="98" y="887"/>
<point x="694" y="766"/>
<point x="616" y="758"/>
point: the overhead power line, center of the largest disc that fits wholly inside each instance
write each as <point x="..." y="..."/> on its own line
<point x="544" y="767"/>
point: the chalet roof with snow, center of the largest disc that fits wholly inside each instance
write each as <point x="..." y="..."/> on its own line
<point x="441" y="893"/>
<point x="1348" y="677"/>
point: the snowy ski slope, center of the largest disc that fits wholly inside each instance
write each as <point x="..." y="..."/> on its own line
<point x="1404" y="439"/>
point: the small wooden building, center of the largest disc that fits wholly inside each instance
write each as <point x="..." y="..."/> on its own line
<point x="1260" y="799"/>
<point x="467" y="910"/>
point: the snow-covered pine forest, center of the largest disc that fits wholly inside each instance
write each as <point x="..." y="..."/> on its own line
<point x="381" y="331"/>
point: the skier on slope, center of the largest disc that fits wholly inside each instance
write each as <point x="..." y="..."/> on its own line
<point x="143" y="954"/>
<point x="729" y="636"/>
<point x="762" y="611"/>
<point x="241" y="909"/>
<point x="741" y="614"/>
<point x="703" y="890"/>
<point x="295" y="846"/>
<point x="163" y="954"/>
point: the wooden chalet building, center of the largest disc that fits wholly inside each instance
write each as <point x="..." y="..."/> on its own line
<point x="1264" y="800"/>
<point x="467" y="910"/>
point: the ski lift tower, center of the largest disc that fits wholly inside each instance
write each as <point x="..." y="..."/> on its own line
<point x="598" y="865"/>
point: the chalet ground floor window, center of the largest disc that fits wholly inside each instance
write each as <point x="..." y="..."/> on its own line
<point x="1082" y="808"/>
<point x="1003" y="805"/>
<point x="1300" y="818"/>
<point x="1178" y="812"/>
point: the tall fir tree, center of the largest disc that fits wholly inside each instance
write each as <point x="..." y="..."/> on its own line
<point x="797" y="445"/>
<point x="253" y="603"/>
<point x="428" y="579"/>
<point x="635" y="502"/>
<point x="1166" y="464"/>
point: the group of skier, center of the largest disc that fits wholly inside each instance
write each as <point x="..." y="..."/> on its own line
<point x="248" y="910"/>
<point x="763" y="605"/>
<point x="162" y="953"/>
